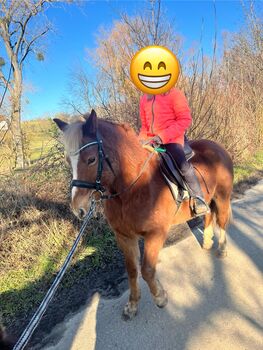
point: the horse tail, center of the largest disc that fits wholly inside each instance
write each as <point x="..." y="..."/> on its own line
<point x="214" y="210"/>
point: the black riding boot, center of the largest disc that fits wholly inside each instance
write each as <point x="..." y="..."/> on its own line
<point x="188" y="173"/>
<point x="200" y="206"/>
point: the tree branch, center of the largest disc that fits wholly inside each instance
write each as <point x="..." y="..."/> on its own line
<point x="2" y="77"/>
<point x="29" y="45"/>
<point x="31" y="13"/>
<point x="21" y="36"/>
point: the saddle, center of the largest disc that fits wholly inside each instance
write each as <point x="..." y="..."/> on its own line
<point x="172" y="175"/>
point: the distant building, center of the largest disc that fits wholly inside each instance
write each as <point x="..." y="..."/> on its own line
<point x="3" y="124"/>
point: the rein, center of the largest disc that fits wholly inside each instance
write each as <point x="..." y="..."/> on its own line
<point x="35" y="320"/>
<point x="97" y="186"/>
<point x="133" y="183"/>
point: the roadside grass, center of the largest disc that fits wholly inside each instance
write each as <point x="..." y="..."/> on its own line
<point x="38" y="254"/>
<point x="37" y="229"/>
<point x="249" y="168"/>
<point x="39" y="141"/>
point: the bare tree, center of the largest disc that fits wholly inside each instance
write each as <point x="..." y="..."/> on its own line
<point x="112" y="91"/>
<point x="224" y="93"/>
<point x="21" y="31"/>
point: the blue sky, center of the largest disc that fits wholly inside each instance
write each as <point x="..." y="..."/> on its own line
<point x="76" y="27"/>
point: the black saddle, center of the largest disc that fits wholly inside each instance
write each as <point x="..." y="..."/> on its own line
<point x="172" y="174"/>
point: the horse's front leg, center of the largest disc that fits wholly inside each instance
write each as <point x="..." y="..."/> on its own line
<point x="130" y="249"/>
<point x="153" y="243"/>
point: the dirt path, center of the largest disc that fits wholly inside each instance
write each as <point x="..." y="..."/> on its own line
<point x="213" y="304"/>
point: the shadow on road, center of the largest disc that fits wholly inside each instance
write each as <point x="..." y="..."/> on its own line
<point x="213" y="304"/>
<point x="212" y="301"/>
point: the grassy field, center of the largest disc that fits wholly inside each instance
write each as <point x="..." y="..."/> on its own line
<point x="39" y="140"/>
<point x="39" y="136"/>
<point x="37" y="229"/>
<point x="249" y="168"/>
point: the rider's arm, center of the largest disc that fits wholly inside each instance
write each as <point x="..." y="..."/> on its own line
<point x="182" y="118"/>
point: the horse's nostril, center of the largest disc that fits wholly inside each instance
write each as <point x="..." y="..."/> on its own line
<point x="81" y="213"/>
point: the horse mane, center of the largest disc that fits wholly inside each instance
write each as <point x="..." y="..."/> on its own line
<point x="125" y="126"/>
<point x="73" y="136"/>
<point x="73" y="133"/>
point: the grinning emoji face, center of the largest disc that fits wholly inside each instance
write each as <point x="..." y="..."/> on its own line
<point x="154" y="70"/>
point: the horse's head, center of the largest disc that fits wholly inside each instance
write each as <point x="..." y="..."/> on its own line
<point x="85" y="153"/>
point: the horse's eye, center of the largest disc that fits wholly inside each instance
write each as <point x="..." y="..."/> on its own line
<point x="91" y="160"/>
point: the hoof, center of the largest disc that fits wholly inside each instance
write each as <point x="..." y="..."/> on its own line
<point x="221" y="254"/>
<point x="161" y="300"/>
<point x="207" y="245"/>
<point x="129" y="311"/>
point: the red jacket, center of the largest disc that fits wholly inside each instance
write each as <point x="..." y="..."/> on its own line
<point x="167" y="116"/>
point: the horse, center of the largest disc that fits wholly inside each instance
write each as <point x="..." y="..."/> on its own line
<point x="107" y="157"/>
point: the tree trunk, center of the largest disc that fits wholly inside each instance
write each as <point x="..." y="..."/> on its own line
<point x="17" y="135"/>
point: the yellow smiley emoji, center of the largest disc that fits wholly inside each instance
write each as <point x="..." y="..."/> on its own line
<point x="154" y="70"/>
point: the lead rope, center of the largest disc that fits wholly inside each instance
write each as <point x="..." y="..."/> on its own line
<point x="27" y="334"/>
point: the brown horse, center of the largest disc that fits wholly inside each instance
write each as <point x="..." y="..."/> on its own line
<point x="140" y="204"/>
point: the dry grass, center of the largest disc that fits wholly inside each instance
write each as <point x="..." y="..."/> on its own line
<point x="37" y="230"/>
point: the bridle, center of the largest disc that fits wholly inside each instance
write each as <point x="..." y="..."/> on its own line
<point x="97" y="186"/>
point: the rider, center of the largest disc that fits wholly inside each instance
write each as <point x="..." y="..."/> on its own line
<point x="165" y="117"/>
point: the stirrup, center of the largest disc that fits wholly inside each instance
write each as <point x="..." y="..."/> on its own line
<point x="206" y="208"/>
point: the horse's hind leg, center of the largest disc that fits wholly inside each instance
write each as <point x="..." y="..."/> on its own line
<point x="222" y="217"/>
<point x="208" y="231"/>
<point x="130" y="249"/>
<point x="221" y="251"/>
<point x="152" y="245"/>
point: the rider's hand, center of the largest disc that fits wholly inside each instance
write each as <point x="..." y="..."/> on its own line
<point x="143" y="142"/>
<point x="157" y="140"/>
<point x="146" y="141"/>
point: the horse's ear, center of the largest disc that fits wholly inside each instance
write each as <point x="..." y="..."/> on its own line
<point x="91" y="124"/>
<point x="62" y="125"/>
<point x="86" y="115"/>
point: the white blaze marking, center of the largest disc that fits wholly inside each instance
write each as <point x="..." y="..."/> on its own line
<point x="74" y="163"/>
